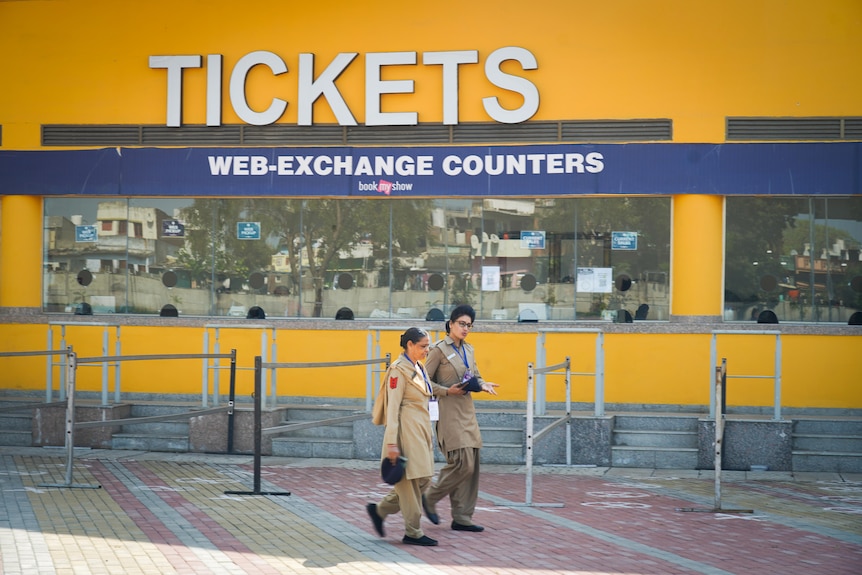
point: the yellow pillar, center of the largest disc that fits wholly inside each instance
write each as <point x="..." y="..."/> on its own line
<point x="697" y="257"/>
<point x="21" y="251"/>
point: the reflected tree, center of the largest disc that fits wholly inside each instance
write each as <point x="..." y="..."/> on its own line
<point x="314" y="232"/>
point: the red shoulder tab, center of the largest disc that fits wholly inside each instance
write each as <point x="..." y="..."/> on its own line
<point x="393" y="382"/>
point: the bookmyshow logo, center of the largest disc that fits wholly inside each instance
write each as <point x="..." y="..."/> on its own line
<point x="385" y="186"/>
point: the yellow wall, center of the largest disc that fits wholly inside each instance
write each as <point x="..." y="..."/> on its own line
<point x="20" y="248"/>
<point x="86" y="62"/>
<point x="693" y="62"/>
<point x="639" y="368"/>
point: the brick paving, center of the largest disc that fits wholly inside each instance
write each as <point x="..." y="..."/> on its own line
<point x="166" y="513"/>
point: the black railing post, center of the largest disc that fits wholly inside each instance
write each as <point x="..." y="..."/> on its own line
<point x="231" y="401"/>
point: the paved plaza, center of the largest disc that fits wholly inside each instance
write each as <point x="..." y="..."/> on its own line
<point x="161" y="513"/>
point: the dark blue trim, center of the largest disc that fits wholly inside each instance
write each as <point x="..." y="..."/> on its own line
<point x="626" y="169"/>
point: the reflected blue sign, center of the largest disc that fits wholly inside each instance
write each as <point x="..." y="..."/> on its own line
<point x="248" y="230"/>
<point x="173" y="229"/>
<point x="532" y="240"/>
<point x="86" y="234"/>
<point x="624" y="240"/>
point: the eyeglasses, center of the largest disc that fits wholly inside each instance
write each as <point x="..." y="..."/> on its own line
<point x="465" y="325"/>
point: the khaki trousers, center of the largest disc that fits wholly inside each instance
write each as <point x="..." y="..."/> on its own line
<point x="406" y="496"/>
<point x="459" y="479"/>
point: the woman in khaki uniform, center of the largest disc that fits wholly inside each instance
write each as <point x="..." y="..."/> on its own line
<point x="407" y="409"/>
<point x="452" y="368"/>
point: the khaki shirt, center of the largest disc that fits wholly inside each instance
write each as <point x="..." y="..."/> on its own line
<point x="458" y="427"/>
<point x="408" y="423"/>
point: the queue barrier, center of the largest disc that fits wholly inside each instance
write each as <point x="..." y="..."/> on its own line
<point x="564" y="369"/>
<point x="259" y="432"/>
<point x="719" y="387"/>
<point x="71" y="375"/>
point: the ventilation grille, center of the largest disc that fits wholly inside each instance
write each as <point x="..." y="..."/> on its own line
<point x="789" y="129"/>
<point x="610" y="130"/>
<point x="334" y="135"/>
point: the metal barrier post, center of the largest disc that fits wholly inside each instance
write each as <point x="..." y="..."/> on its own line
<point x="720" y="380"/>
<point x="205" y="376"/>
<point x="369" y="387"/>
<point x="231" y="401"/>
<point x="216" y="350"/>
<point x="777" y="385"/>
<point x="105" y="353"/>
<point x="540" y="380"/>
<point x="568" y="411"/>
<point x="257" y="437"/>
<point x="71" y="368"/>
<point x="70" y="415"/>
<point x="272" y="372"/>
<point x="49" y="377"/>
<point x="717" y="392"/>
<point x="599" y="400"/>
<point x="529" y="453"/>
<point x="713" y="350"/>
<point x="263" y="353"/>
<point x="533" y="437"/>
<point x="118" y="353"/>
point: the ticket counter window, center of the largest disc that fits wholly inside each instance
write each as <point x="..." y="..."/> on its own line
<point x="798" y="258"/>
<point x="549" y="259"/>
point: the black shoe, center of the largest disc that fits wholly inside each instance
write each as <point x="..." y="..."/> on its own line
<point x="462" y="527"/>
<point x="424" y="541"/>
<point x="375" y="519"/>
<point x="432" y="517"/>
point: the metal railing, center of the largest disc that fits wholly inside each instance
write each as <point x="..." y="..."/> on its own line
<point x="71" y="425"/>
<point x="598" y="374"/>
<point x="563" y="368"/>
<point x="775" y="376"/>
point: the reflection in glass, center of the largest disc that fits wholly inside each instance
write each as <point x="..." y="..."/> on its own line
<point x="381" y="258"/>
<point x="794" y="257"/>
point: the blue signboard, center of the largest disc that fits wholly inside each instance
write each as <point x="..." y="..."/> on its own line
<point x="542" y="170"/>
<point x="173" y="229"/>
<point x="248" y="230"/>
<point x="532" y="240"/>
<point x="624" y="240"/>
<point x="86" y="234"/>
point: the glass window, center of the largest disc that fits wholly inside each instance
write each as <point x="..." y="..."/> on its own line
<point x="798" y="258"/>
<point x="543" y="259"/>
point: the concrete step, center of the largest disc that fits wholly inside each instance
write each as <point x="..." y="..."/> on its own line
<point x="337" y="431"/>
<point x="845" y="426"/>
<point x="16" y="421"/>
<point x="16" y="437"/>
<point x="313" y="413"/>
<point x="511" y="435"/>
<point x="653" y="438"/>
<point x="150" y="442"/>
<point x="655" y="423"/>
<point x="822" y="442"/>
<point x="502" y="453"/>
<point x="157" y="428"/>
<point x="313" y="447"/>
<point x="826" y="461"/>
<point x="654" y="457"/>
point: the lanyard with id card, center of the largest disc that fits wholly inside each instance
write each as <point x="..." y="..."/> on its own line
<point x="433" y="405"/>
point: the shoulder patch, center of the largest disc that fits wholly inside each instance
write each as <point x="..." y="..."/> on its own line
<point x="393" y="382"/>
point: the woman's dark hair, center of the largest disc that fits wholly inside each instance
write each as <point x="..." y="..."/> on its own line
<point x="414" y="334"/>
<point x="461" y="311"/>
